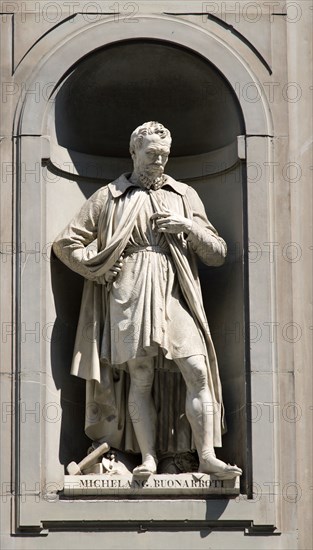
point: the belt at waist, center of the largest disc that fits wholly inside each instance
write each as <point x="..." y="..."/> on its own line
<point x="150" y="248"/>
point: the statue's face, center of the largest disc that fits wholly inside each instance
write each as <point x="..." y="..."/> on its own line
<point x="152" y="156"/>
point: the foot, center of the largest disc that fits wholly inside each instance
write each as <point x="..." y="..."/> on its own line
<point x="147" y="468"/>
<point x="209" y="464"/>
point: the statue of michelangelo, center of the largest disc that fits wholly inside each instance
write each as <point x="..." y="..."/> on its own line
<point x="136" y="242"/>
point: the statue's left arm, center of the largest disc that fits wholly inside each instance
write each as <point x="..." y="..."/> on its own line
<point x="203" y="237"/>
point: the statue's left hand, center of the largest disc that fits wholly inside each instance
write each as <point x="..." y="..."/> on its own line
<point x="169" y="222"/>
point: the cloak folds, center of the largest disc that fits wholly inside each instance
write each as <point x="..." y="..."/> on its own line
<point x="90" y="245"/>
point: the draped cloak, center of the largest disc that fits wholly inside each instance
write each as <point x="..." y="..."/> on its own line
<point x="90" y="245"/>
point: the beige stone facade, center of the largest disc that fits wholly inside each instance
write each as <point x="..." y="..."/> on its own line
<point x="235" y="77"/>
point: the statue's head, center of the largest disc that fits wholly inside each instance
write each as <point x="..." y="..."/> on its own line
<point x="149" y="147"/>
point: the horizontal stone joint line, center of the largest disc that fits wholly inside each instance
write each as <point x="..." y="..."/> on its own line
<point x="98" y="13"/>
<point x="260" y="135"/>
<point x="185" y="13"/>
<point x="26" y="135"/>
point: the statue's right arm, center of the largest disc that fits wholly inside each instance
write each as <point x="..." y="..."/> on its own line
<point x="71" y="244"/>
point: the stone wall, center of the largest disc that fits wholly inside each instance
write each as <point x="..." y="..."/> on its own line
<point x="262" y="51"/>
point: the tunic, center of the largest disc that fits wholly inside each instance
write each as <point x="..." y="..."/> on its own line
<point x="146" y="309"/>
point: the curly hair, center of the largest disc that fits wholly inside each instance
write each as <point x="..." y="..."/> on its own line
<point x="148" y="128"/>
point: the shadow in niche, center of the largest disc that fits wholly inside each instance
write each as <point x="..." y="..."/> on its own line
<point x="116" y="88"/>
<point x="67" y="289"/>
<point x="73" y="442"/>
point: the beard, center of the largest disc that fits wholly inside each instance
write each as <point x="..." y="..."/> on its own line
<point x="153" y="179"/>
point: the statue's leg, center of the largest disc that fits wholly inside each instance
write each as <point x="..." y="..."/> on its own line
<point x="199" y="411"/>
<point x="141" y="380"/>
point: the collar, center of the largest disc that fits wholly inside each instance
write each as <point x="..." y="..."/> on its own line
<point x="119" y="186"/>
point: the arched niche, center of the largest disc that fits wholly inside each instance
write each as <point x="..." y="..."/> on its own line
<point x="45" y="204"/>
<point x="97" y="105"/>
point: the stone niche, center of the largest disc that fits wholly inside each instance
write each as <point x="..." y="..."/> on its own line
<point x="97" y="105"/>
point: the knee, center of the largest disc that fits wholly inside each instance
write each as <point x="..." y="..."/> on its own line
<point x="200" y="378"/>
<point x="141" y="379"/>
<point x="196" y="374"/>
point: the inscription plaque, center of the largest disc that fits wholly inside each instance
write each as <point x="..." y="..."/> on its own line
<point x="128" y="485"/>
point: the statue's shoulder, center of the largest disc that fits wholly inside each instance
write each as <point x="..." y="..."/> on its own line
<point x="184" y="189"/>
<point x="100" y="195"/>
<point x="118" y="186"/>
<point x="178" y="186"/>
<point x="193" y="198"/>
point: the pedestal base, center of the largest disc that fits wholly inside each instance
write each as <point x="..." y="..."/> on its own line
<point x="129" y="485"/>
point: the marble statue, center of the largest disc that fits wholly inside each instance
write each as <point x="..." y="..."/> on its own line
<point x="136" y="243"/>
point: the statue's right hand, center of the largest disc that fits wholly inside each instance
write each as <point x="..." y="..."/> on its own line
<point x="111" y="275"/>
